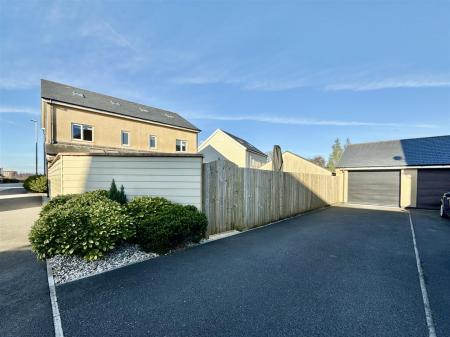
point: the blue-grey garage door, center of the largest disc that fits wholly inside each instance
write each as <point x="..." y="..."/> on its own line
<point x="431" y="185"/>
<point x="374" y="187"/>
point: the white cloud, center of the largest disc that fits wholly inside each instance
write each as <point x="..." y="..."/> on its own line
<point x="303" y="121"/>
<point x="18" y="109"/>
<point x="251" y="83"/>
<point x="389" y="84"/>
<point x="104" y="31"/>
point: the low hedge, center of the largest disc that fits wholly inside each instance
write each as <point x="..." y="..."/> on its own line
<point x="162" y="225"/>
<point x="88" y="225"/>
<point x="62" y="199"/>
<point x="36" y="183"/>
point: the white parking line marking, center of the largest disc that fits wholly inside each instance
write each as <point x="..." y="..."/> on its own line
<point x="55" y="309"/>
<point x="426" y="301"/>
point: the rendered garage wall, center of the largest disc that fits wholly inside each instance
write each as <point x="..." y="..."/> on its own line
<point x="177" y="178"/>
<point x="408" y="187"/>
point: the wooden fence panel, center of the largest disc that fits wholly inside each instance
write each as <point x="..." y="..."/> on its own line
<point x="242" y="198"/>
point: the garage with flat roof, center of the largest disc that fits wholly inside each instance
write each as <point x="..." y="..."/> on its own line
<point x="399" y="173"/>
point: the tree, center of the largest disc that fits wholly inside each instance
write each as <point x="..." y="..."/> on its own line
<point x="319" y="160"/>
<point x="116" y="195"/>
<point x="347" y="143"/>
<point x="335" y="156"/>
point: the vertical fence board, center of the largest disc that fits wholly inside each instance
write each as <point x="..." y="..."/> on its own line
<point x="242" y="198"/>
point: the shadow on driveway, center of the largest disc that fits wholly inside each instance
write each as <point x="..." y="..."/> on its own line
<point x="338" y="272"/>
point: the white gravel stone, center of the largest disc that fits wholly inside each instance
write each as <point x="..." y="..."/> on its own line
<point x="71" y="268"/>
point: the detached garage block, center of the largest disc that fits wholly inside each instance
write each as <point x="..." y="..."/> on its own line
<point x="176" y="177"/>
<point x="400" y="173"/>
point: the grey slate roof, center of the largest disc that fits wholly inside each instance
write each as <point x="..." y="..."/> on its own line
<point x="84" y="98"/>
<point x="246" y="144"/>
<point x="404" y="152"/>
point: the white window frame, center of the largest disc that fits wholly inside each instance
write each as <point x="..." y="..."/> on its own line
<point x="182" y="142"/>
<point x="82" y="126"/>
<point x="128" y="137"/>
<point x="150" y="142"/>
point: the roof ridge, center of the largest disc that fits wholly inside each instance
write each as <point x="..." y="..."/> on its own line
<point x="255" y="150"/>
<point x="65" y="93"/>
<point x="109" y="96"/>
<point x="397" y="140"/>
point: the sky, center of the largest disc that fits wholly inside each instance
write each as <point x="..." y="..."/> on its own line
<point x="294" y="73"/>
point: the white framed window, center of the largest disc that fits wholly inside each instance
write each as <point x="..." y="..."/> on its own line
<point x="152" y="142"/>
<point x="181" y="145"/>
<point x="82" y="132"/>
<point x="125" y="138"/>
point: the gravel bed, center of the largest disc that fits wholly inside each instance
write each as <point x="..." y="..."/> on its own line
<point x="71" y="268"/>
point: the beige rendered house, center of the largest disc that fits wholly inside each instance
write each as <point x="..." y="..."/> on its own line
<point x="294" y="163"/>
<point x="79" y="121"/>
<point x="223" y="145"/>
<point x="399" y="173"/>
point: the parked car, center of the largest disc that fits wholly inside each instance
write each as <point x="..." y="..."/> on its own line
<point x="445" y="205"/>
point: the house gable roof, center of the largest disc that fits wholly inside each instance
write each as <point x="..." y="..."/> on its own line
<point x="244" y="143"/>
<point x="404" y="152"/>
<point x="88" y="99"/>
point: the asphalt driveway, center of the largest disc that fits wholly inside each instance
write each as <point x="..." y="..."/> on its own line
<point x="25" y="309"/>
<point x="337" y="272"/>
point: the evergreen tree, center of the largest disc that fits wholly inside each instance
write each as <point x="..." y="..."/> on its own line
<point x="336" y="153"/>
<point x="116" y="195"/>
<point x="347" y="143"/>
<point x="122" y="195"/>
<point x="113" y="191"/>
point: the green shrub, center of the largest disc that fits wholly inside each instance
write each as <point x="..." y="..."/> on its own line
<point x="116" y="195"/>
<point x="37" y="183"/>
<point x="62" y="199"/>
<point x="143" y="207"/>
<point x="88" y="225"/>
<point x="162" y="225"/>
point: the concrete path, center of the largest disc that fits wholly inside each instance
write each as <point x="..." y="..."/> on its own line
<point x="339" y="272"/>
<point x="14" y="199"/>
<point x="24" y="296"/>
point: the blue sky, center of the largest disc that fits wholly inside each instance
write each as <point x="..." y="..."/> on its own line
<point x="297" y="74"/>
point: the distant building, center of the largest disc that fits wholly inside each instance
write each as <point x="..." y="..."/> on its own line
<point x="78" y="120"/>
<point x="224" y="145"/>
<point x="294" y="163"/>
<point x="10" y="174"/>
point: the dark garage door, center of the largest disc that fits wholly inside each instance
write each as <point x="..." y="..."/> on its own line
<point x="431" y="184"/>
<point x="374" y="187"/>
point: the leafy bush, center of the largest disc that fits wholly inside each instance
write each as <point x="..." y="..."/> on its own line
<point x="162" y="225"/>
<point x="62" y="199"/>
<point x="143" y="207"/>
<point x="37" y="183"/>
<point x="116" y="195"/>
<point x="88" y="225"/>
